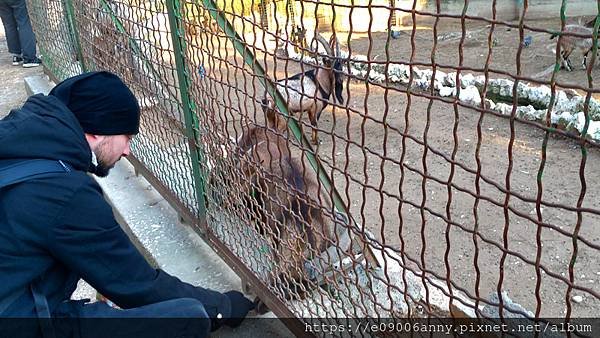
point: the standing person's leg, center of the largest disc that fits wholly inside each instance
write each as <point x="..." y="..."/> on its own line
<point x="10" y="28"/>
<point x="183" y="317"/>
<point x="26" y="35"/>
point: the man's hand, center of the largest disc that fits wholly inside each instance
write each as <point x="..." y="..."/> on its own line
<point x="240" y="306"/>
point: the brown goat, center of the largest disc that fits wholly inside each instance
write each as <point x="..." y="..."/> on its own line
<point x="569" y="43"/>
<point x="310" y="91"/>
<point x="291" y="204"/>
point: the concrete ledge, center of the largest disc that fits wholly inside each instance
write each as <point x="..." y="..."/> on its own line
<point x="174" y="246"/>
<point x="39" y="84"/>
<point x="154" y="227"/>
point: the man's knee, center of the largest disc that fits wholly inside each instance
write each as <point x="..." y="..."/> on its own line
<point x="189" y="308"/>
<point x="22" y="17"/>
<point x="198" y="322"/>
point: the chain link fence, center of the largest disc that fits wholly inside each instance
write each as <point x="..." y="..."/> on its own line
<point x="381" y="159"/>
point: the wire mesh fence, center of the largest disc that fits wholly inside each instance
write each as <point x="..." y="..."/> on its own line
<point x="383" y="159"/>
<point x="55" y="37"/>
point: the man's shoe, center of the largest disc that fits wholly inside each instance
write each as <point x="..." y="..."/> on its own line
<point x="32" y="63"/>
<point x="17" y="60"/>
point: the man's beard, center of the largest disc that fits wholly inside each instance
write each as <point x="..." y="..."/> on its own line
<point x="101" y="168"/>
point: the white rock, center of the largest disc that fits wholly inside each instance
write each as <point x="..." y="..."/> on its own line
<point x="424" y="74"/>
<point x="422" y="83"/>
<point x="579" y="121"/>
<point x="437" y="85"/>
<point x="447" y="91"/>
<point x="450" y="80"/>
<point x="594" y="130"/>
<point x="416" y="72"/>
<point x="376" y="76"/>
<point x="561" y="118"/>
<point x="467" y="80"/>
<point x="503" y="108"/>
<point x="502" y="87"/>
<point x="577" y="299"/>
<point x="594" y="109"/>
<point x="489" y="104"/>
<point x="529" y="113"/>
<point x="470" y="95"/>
<point x="540" y="95"/>
<point x="479" y="81"/>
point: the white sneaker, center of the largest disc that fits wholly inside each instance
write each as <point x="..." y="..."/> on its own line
<point x="31" y="63"/>
<point x="16" y="60"/>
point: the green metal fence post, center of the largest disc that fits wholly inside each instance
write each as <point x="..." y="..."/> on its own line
<point x="280" y="102"/>
<point x="68" y="4"/>
<point x="191" y="122"/>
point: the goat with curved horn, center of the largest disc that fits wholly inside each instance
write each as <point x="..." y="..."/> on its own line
<point x="310" y="91"/>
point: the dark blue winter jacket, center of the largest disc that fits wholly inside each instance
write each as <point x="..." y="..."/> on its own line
<point x="61" y="229"/>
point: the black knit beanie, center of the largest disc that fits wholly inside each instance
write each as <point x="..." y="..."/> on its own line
<point x="101" y="102"/>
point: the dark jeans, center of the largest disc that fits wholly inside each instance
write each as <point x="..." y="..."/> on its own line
<point x="19" y="34"/>
<point x="183" y="317"/>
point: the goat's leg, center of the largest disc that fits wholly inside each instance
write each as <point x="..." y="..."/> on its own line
<point x="565" y="60"/>
<point x="312" y="115"/>
<point x="584" y="61"/>
<point x="570" y="65"/>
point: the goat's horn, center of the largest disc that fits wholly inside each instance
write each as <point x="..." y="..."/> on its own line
<point x="324" y="43"/>
<point x="335" y="43"/>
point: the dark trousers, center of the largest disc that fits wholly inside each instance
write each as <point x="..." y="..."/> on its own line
<point x="19" y="34"/>
<point x="183" y="317"/>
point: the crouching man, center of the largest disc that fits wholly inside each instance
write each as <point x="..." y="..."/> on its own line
<point x="56" y="227"/>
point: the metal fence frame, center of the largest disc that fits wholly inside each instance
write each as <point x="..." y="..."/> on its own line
<point x="192" y="131"/>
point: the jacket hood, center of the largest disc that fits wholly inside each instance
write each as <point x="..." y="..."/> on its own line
<point x="44" y="128"/>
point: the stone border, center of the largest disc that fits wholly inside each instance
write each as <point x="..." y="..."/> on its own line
<point x="533" y="101"/>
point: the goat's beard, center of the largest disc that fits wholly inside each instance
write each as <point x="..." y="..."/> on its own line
<point x="338" y="93"/>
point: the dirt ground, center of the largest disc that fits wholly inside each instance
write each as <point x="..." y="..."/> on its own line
<point x="399" y="168"/>
<point x="391" y="156"/>
<point x="536" y="60"/>
<point x="12" y="88"/>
